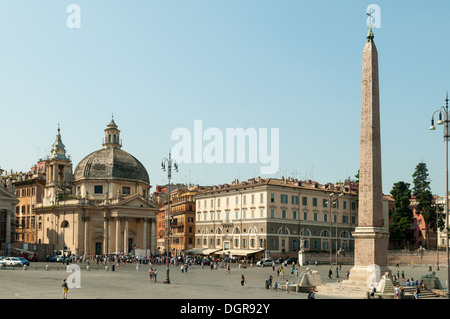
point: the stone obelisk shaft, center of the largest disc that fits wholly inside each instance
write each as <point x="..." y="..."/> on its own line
<point x="371" y="238"/>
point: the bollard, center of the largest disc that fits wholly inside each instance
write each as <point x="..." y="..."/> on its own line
<point x="25" y="267"/>
<point x="46" y="267"/>
<point x="87" y="268"/>
<point x="106" y="268"/>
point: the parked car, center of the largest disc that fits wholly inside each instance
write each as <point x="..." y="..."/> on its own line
<point x="23" y="261"/>
<point x="291" y="260"/>
<point x="265" y="262"/>
<point x="13" y="261"/>
<point x="52" y="258"/>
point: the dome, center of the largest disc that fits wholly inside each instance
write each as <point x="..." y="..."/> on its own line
<point x="112" y="164"/>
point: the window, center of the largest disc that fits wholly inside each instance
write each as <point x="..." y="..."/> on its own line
<point x="272" y="213"/>
<point x="325" y="203"/>
<point x="272" y="197"/>
<point x="325" y="217"/>
<point x="294" y="214"/>
<point x="336" y="203"/>
<point x="253" y="198"/>
<point x="345" y="219"/>
<point x="126" y="190"/>
<point x="305" y="201"/>
<point x="305" y="215"/>
<point x="314" y="203"/>
<point x="244" y="214"/>
<point x="98" y="189"/>
<point x="353" y="205"/>
<point x="245" y="200"/>
<point x="283" y="214"/>
<point x="294" y="200"/>
<point x="344" y="204"/>
<point x="353" y="219"/>
<point x="261" y="197"/>
<point x="218" y="202"/>
<point x="315" y="217"/>
<point x="284" y="199"/>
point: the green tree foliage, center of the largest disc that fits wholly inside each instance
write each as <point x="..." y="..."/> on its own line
<point x="402" y="215"/>
<point x="424" y="197"/>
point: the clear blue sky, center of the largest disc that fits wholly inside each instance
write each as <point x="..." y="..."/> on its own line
<point x="160" y="65"/>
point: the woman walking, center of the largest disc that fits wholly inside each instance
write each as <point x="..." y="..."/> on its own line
<point x="243" y="281"/>
<point x="65" y="288"/>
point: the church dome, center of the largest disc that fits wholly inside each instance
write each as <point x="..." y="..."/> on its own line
<point x="111" y="162"/>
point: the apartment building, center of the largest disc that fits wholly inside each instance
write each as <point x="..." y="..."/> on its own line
<point x="275" y="217"/>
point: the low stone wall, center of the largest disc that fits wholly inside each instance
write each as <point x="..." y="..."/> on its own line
<point x="426" y="258"/>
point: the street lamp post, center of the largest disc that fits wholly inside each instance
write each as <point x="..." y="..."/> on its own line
<point x="337" y="236"/>
<point x="445" y="111"/>
<point x="169" y="162"/>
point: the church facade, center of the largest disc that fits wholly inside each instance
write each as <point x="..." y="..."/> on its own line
<point x="103" y="207"/>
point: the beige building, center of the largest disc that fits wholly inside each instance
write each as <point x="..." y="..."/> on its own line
<point x="103" y="208"/>
<point x="8" y="203"/>
<point x="275" y="217"/>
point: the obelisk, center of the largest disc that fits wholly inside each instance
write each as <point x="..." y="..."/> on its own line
<point x="371" y="238"/>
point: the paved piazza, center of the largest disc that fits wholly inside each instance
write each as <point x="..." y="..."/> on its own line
<point x="128" y="283"/>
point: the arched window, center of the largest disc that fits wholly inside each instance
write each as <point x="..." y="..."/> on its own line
<point x="64" y="224"/>
<point x="325" y="233"/>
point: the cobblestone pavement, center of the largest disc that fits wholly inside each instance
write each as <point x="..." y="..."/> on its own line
<point x="126" y="282"/>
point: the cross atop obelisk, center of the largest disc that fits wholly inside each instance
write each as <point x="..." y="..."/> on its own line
<point x="371" y="237"/>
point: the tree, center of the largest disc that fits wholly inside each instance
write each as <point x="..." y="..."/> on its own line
<point x="424" y="197"/>
<point x="402" y="215"/>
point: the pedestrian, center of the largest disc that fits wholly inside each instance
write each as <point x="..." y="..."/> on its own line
<point x="182" y="268"/>
<point x="416" y="293"/>
<point x="154" y="275"/>
<point x="396" y="292"/>
<point x="243" y="281"/>
<point x="287" y="286"/>
<point x="403" y="275"/>
<point x="276" y="286"/>
<point x="397" y="265"/>
<point x="312" y="294"/>
<point x="330" y="274"/>
<point x="372" y="292"/>
<point x="347" y="275"/>
<point x="270" y="282"/>
<point x="423" y="284"/>
<point x="65" y="288"/>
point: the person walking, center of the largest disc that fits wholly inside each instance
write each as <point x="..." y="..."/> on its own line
<point x="417" y="292"/>
<point x="65" y="288"/>
<point x="243" y="281"/>
<point x="312" y="294"/>
<point x="330" y="274"/>
<point x="287" y="286"/>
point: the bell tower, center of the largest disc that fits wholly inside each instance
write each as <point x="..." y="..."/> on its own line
<point x="58" y="172"/>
